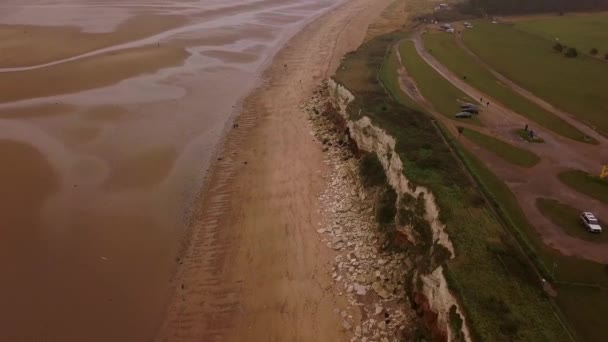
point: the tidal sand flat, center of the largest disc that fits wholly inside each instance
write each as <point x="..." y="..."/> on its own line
<point x="110" y="113"/>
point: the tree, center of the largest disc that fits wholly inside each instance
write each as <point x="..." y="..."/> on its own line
<point x="571" y="53"/>
<point x="558" y="47"/>
<point x="593" y="51"/>
<point x="606" y="56"/>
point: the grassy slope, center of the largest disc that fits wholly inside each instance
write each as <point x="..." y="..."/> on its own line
<point x="577" y="85"/>
<point x="444" y="48"/>
<point x="501" y="298"/>
<point x="585" y="183"/>
<point x="581" y="31"/>
<point x="442" y="94"/>
<point x="512" y="154"/>
<point x="390" y="79"/>
<point x="566" y="217"/>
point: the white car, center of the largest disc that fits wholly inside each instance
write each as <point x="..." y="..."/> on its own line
<point x="590" y="222"/>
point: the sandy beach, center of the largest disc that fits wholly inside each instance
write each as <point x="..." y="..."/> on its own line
<point x="110" y="115"/>
<point x="255" y="269"/>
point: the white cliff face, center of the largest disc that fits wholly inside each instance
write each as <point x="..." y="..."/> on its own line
<point x="371" y="138"/>
<point x="436" y="290"/>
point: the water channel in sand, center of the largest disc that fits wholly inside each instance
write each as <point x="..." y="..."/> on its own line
<point x="109" y="115"/>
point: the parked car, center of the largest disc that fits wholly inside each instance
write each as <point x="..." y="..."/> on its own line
<point x="464" y="115"/>
<point x="590" y="222"/>
<point x="472" y="110"/>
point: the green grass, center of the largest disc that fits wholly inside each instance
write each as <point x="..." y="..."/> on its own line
<point x="567" y="218"/>
<point x="570" y="269"/>
<point x="436" y="89"/>
<point x="512" y="154"/>
<point x="581" y="31"/>
<point x="576" y="85"/>
<point x="579" y="301"/>
<point x="501" y="299"/>
<point x="565" y="270"/>
<point x="586" y="184"/>
<point x="390" y="79"/>
<point x="444" y="48"/>
<point x="522" y="133"/>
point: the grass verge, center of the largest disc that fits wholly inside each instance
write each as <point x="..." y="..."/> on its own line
<point x="390" y="79"/>
<point x="436" y="89"/>
<point x="586" y="184"/>
<point x="444" y="48"/>
<point x="512" y="154"/>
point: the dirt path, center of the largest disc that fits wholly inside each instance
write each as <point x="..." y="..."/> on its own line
<point x="557" y="153"/>
<point x="256" y="269"/>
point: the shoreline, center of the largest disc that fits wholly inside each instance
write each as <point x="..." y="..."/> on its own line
<point x="132" y="156"/>
<point x="205" y="248"/>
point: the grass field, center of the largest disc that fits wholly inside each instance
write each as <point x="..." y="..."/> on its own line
<point x="499" y="292"/>
<point x="436" y="89"/>
<point x="443" y="47"/>
<point x="390" y="79"/>
<point x="581" y="31"/>
<point x="566" y="217"/>
<point x="585" y="183"/>
<point x="590" y="321"/>
<point x="577" y="85"/>
<point x="512" y="154"/>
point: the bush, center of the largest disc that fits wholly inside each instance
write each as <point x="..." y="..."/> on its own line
<point x="593" y="51"/>
<point x="456" y="323"/>
<point x="558" y="47"/>
<point x="385" y="207"/>
<point x="371" y="170"/>
<point x="477" y="200"/>
<point x="571" y="53"/>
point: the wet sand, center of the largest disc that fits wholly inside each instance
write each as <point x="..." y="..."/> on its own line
<point x="105" y="143"/>
<point x="255" y="268"/>
<point x="88" y="73"/>
<point x="28" y="45"/>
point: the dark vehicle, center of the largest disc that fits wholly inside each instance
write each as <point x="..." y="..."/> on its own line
<point x="468" y="105"/>
<point x="472" y="110"/>
<point x="464" y="115"/>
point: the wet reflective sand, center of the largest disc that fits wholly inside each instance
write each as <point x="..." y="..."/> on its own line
<point x="109" y="115"/>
